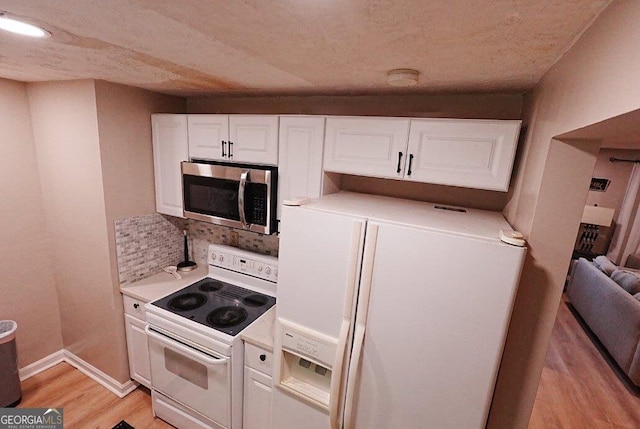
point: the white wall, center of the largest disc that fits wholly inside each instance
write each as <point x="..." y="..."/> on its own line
<point x="27" y="288"/>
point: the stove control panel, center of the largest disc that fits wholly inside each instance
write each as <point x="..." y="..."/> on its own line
<point x="254" y="264"/>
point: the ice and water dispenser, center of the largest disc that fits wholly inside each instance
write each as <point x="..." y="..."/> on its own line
<point x="306" y="362"/>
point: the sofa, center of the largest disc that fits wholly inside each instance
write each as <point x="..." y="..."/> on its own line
<point x="610" y="310"/>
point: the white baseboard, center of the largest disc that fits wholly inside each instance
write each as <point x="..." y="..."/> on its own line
<point x="119" y="389"/>
<point x="42" y="365"/>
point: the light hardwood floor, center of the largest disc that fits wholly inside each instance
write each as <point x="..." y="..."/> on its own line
<point x="581" y="386"/>
<point x="87" y="404"/>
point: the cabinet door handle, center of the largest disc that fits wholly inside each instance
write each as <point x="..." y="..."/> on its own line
<point x="136" y="305"/>
<point x="263" y="357"/>
<point x="410" y="161"/>
<point x="223" y="153"/>
<point x="230" y="149"/>
<point x="399" y="159"/>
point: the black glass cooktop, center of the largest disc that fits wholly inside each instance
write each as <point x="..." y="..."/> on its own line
<point x="219" y="305"/>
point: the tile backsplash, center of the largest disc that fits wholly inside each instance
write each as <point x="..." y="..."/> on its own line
<point x="146" y="244"/>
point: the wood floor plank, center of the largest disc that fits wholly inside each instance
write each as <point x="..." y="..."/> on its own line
<point x="581" y="386"/>
<point x="87" y="404"/>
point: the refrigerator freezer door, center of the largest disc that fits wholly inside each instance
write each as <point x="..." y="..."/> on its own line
<point x="437" y="319"/>
<point x="320" y="255"/>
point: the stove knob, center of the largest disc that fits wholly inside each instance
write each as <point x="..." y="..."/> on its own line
<point x="213" y="256"/>
<point x="221" y="258"/>
<point x="259" y="268"/>
<point x="275" y="274"/>
<point x="268" y="271"/>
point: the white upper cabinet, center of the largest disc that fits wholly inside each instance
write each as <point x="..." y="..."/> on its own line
<point x="170" y="147"/>
<point x="369" y="146"/>
<point x="206" y="134"/>
<point x="455" y="152"/>
<point x="469" y="153"/>
<point x="234" y="138"/>
<point x="300" y="157"/>
<point x="253" y="138"/>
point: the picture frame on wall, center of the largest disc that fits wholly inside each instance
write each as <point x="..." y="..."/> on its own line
<point x="599" y="184"/>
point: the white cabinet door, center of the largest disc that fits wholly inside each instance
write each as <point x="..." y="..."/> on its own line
<point x="366" y="146"/>
<point x="470" y="153"/>
<point x="138" y="350"/>
<point x="300" y="157"/>
<point x="170" y="147"/>
<point x="254" y="139"/>
<point x="208" y="136"/>
<point x="257" y="400"/>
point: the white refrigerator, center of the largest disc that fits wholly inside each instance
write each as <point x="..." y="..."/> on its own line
<point x="391" y="313"/>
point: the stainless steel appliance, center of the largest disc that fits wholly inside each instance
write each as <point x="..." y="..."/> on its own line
<point x="195" y="351"/>
<point x="240" y="196"/>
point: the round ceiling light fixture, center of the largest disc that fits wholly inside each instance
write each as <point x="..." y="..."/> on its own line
<point x="403" y="77"/>
<point x="20" y="27"/>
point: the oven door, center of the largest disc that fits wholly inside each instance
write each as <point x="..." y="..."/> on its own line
<point x="199" y="380"/>
<point x="238" y="196"/>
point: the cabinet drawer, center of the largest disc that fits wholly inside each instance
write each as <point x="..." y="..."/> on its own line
<point x="258" y="359"/>
<point x="134" y="307"/>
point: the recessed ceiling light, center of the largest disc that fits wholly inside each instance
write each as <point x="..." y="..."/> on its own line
<point x="403" y="77"/>
<point x="20" y="27"/>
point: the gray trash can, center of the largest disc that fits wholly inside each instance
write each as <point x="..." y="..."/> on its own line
<point x="10" y="390"/>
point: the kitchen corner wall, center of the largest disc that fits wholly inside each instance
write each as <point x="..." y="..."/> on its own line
<point x="27" y="289"/>
<point x="93" y="143"/>
<point x="595" y="80"/>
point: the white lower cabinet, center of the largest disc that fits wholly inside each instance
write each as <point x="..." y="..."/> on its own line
<point x="258" y="386"/>
<point x="137" y="341"/>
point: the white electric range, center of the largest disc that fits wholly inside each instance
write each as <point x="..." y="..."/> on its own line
<point x="195" y="348"/>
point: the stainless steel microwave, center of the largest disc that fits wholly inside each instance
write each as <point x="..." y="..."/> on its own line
<point x="236" y="195"/>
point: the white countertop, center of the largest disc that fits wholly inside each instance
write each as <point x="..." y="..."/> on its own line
<point x="260" y="332"/>
<point x="162" y="284"/>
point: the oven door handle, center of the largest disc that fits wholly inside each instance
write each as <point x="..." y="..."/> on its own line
<point x="244" y="177"/>
<point x="186" y="351"/>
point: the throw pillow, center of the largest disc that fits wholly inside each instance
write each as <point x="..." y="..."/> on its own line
<point x="604" y="264"/>
<point x="627" y="280"/>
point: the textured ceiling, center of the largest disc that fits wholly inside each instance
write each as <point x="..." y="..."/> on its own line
<point x="295" y="46"/>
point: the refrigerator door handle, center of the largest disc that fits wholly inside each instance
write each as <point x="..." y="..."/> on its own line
<point x="354" y="365"/>
<point x="367" y="272"/>
<point x="334" y="388"/>
<point x="371" y="241"/>
<point x="354" y="265"/>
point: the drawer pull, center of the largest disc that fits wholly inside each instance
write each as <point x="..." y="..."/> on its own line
<point x="263" y="357"/>
<point x="136" y="305"/>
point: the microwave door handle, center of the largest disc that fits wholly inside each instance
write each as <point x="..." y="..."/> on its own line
<point x="243" y="182"/>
